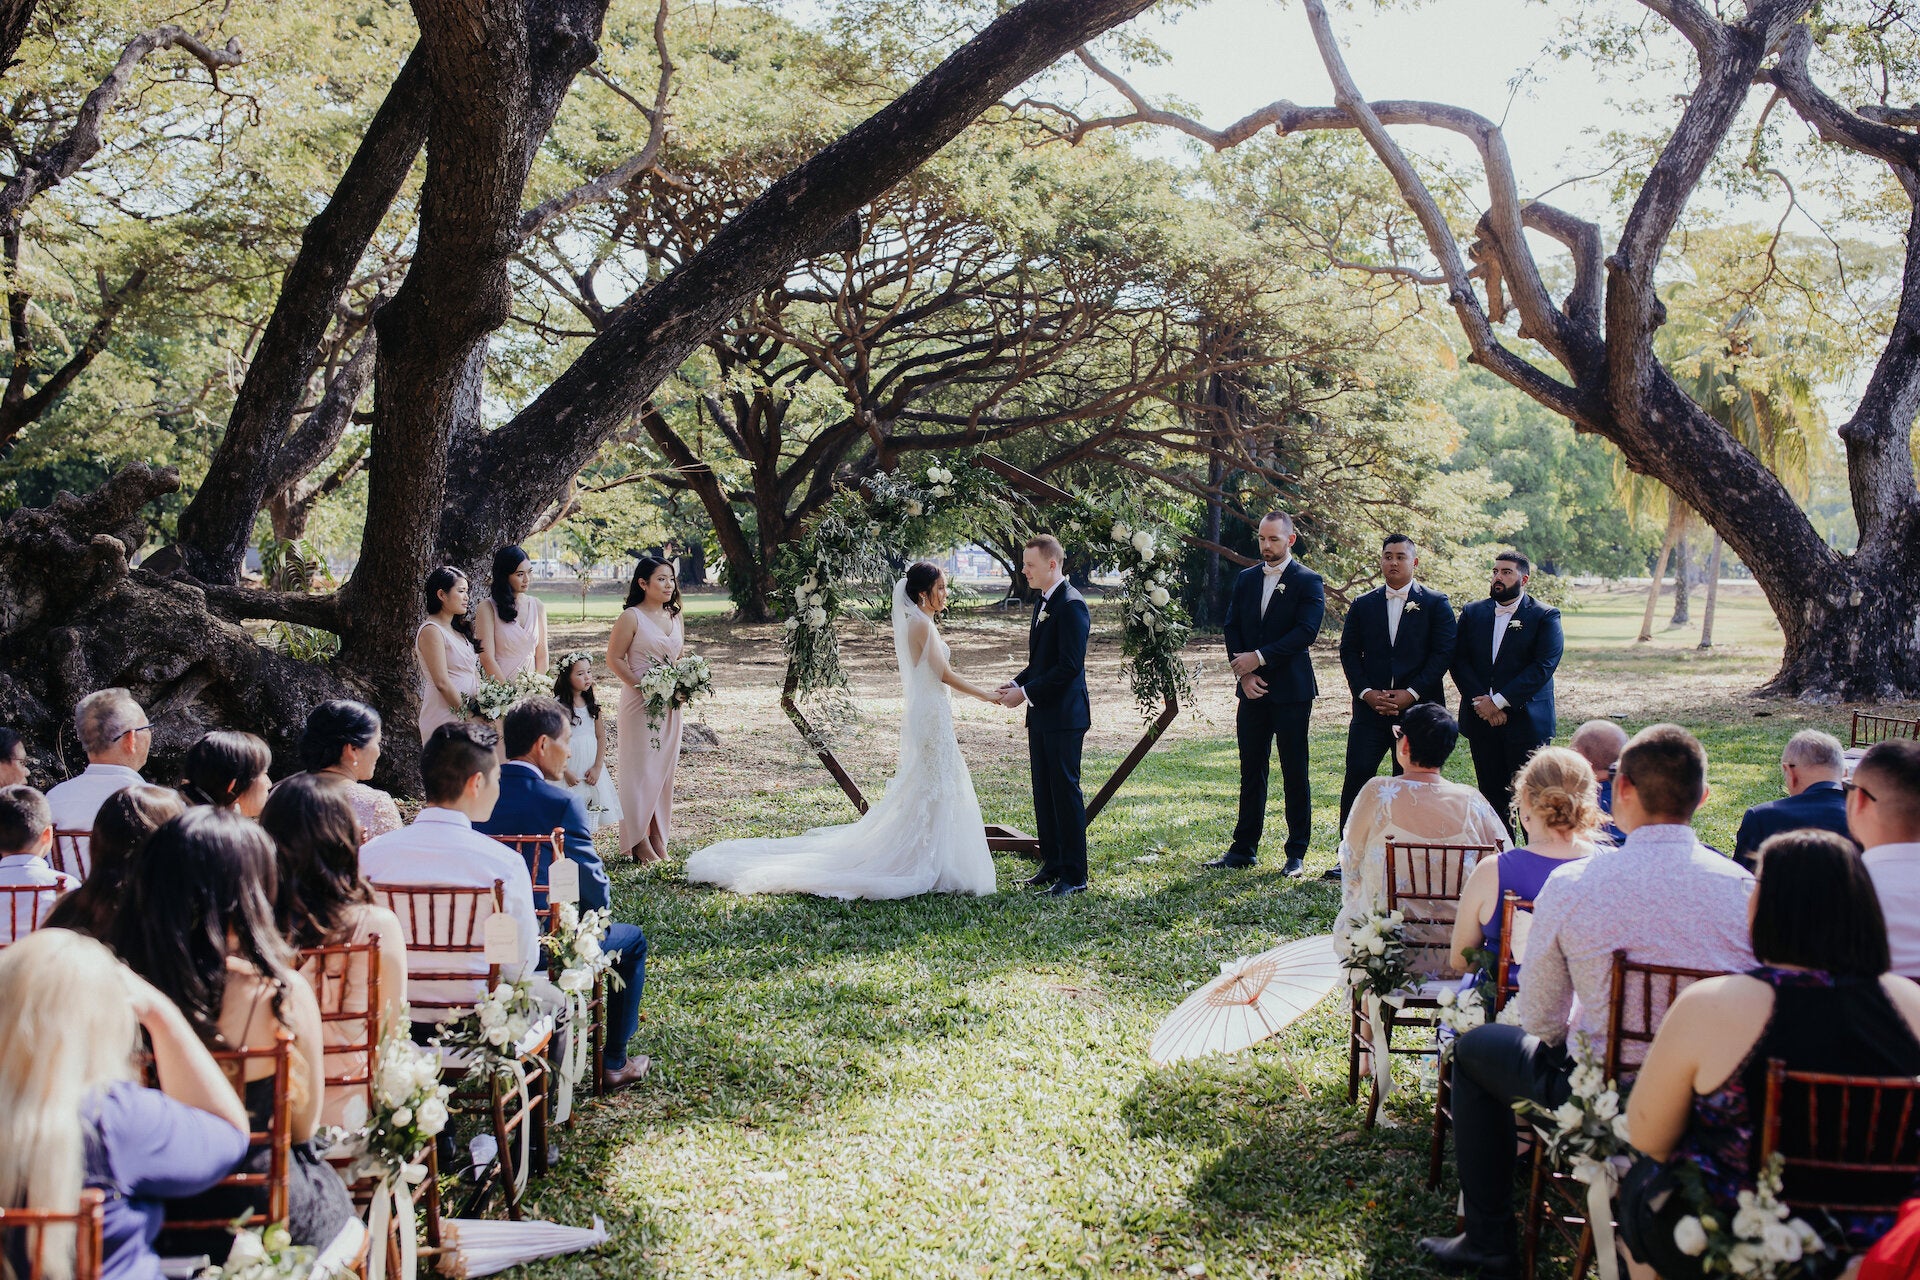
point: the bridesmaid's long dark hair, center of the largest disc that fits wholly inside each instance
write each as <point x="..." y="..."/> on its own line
<point x="445" y="578"/>
<point x="505" y="562"/>
<point x="637" y="588"/>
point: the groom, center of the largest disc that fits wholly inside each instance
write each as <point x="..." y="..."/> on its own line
<point x="1053" y="688"/>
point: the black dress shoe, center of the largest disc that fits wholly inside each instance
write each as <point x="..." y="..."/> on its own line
<point x="1228" y="862"/>
<point x="1293" y="869"/>
<point x="1456" y="1254"/>
<point x="1331" y="873"/>
<point x="1063" y="889"/>
<point x="1040" y="880"/>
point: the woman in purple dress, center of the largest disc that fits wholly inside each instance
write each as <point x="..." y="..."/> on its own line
<point x="1559" y="804"/>
<point x="73" y="1115"/>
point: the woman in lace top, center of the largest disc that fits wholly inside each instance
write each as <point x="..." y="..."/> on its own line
<point x="1420" y="806"/>
<point x="342" y="740"/>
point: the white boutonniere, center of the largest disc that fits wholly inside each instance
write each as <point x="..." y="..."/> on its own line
<point x="1514" y="625"/>
<point x="1412" y="606"/>
<point x="1042" y="618"/>
<point x="1279" y="588"/>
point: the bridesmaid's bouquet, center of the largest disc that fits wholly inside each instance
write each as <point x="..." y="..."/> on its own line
<point x="668" y="686"/>
<point x="496" y="697"/>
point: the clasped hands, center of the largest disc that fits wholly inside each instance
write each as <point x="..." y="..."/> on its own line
<point x="1389" y="702"/>
<point x="1244" y="665"/>
<point x="1487" y="709"/>
<point x="1009" y="695"/>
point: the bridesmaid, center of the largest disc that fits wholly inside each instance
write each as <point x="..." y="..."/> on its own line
<point x="511" y="624"/>
<point x="649" y="632"/>
<point x="449" y="658"/>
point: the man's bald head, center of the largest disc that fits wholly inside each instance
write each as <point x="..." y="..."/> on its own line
<point x="1601" y="742"/>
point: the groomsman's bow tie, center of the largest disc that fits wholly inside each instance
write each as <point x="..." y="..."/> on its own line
<point x="1506" y="610"/>
<point x="1401" y="594"/>
<point x="1273" y="570"/>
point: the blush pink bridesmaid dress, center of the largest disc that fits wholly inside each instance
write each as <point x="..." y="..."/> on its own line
<point x="645" y="772"/>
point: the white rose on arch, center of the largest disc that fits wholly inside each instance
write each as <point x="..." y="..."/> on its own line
<point x="816" y="617"/>
<point x="1143" y="543"/>
<point x="1121" y="532"/>
<point x="1159" y="596"/>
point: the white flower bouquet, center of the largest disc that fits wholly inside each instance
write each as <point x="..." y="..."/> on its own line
<point x="1587" y="1137"/>
<point x="1376" y="959"/>
<point x="267" y="1253"/>
<point x="671" y="685"/>
<point x="574" y="945"/>
<point x="495" y="1030"/>
<point x="496" y="697"/>
<point x="409" y="1111"/>
<point x="1763" y="1240"/>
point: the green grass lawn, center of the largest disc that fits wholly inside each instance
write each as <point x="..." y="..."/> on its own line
<point x="605" y="602"/>
<point x="959" y="1087"/>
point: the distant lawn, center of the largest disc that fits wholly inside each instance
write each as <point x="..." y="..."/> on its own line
<point x="959" y="1087"/>
<point x="606" y="602"/>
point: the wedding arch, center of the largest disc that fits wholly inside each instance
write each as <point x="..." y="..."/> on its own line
<point x="845" y="558"/>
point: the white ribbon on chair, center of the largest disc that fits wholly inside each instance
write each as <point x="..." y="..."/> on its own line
<point x="1382" y="1045"/>
<point x="1602" y="1179"/>
<point x="393" y="1198"/>
<point x="526" y="1127"/>
<point x="572" y="1067"/>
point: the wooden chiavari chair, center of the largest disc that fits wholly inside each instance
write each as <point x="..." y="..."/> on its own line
<point x="37" y="1226"/>
<point x="1869" y="728"/>
<point x="276" y="1138"/>
<point x="1849" y="1144"/>
<point x="23" y="907"/>
<point x="539" y="853"/>
<point x="72" y="852"/>
<point x="1506" y="985"/>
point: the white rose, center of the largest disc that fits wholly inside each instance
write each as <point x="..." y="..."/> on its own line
<point x="1752" y="1218"/>
<point x="491" y="1015"/>
<point x="426" y="1072"/>
<point x="1444" y="999"/>
<point x="573" y="981"/>
<point x="793" y="624"/>
<point x="403" y="1117"/>
<point x="1376" y="945"/>
<point x="1120" y="532"/>
<point x="496" y="1036"/>
<point x="1689" y="1237"/>
<point x="1747" y="1260"/>
<point x="817" y="599"/>
<point x="1607" y="1105"/>
<point x="914" y="508"/>
<point x="1143" y="543"/>
<point x="1620" y="1128"/>
<point x="1569" y="1115"/>
<point x="502" y="993"/>
<point x="1159" y="597"/>
<point x="801" y="592"/>
<point x="1356" y="977"/>
<point x="1396" y="917"/>
<point x="816" y="617"/>
<point x="941" y="491"/>
<point x="1781" y="1243"/>
<point x="432" y="1116"/>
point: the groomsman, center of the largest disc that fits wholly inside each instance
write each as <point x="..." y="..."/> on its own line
<point x="1395" y="648"/>
<point x="1503" y="662"/>
<point x="1272" y="618"/>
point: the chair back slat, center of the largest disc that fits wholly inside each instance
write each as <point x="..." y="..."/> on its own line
<point x="45" y="1230"/>
<point x="23" y="907"/>
<point x="1849" y="1144"/>
<point x="1423" y="884"/>
<point x="336" y="973"/>
<point x="276" y="1138"/>
<point x="1506" y="979"/>
<point x="1638" y="998"/>
<point x="1869" y="728"/>
<point x="539" y="852"/>
<point x="440" y="923"/>
<point x="72" y="852"/>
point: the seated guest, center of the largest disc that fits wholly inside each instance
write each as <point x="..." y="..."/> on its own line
<point x="1812" y="766"/>
<point x="1663" y="898"/>
<point x="461" y="777"/>
<point x="26" y="835"/>
<point x="1820" y="1000"/>
<point x="72" y="1111"/>
<point x="342" y="738"/>
<point x="1883" y="813"/>
<point x="1557" y="799"/>
<point x="198" y="924"/>
<point x="324" y="902"/>
<point x="13" y="759"/>
<point x="1600" y="742"/>
<point x="537" y="734"/>
<point x="1419" y="806"/>
<point x="115" y="734"/>
<point x="120" y="832"/>
<point x="229" y="771"/>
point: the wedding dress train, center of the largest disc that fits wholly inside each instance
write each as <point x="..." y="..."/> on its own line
<point x="923" y="836"/>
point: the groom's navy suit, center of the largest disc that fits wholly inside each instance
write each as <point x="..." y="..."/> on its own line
<point x="1055" y="685"/>
<point x="1284" y="633"/>
<point x="1412" y="656"/>
<point x="1522" y="675"/>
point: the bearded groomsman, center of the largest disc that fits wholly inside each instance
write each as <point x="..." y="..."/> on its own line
<point x="1395" y="649"/>
<point x="1503" y="662"/>
<point x="1273" y="617"/>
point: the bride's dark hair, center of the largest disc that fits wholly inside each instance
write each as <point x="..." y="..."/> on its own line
<point x="920" y="579"/>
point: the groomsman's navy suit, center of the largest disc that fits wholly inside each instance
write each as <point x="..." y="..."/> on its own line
<point x="1413" y="656"/>
<point x="1058" y="714"/>
<point x="1821" y="807"/>
<point x="531" y="805"/>
<point x="1522" y="676"/>
<point x="1283" y="633"/>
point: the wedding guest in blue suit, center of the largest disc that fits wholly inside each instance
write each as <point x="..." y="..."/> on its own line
<point x="1504" y="658"/>
<point x="1395" y="649"/>
<point x="1812" y="766"/>
<point x="1273" y="617"/>
<point x="537" y="734"/>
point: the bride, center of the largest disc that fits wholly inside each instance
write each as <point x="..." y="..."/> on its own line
<point x="925" y="834"/>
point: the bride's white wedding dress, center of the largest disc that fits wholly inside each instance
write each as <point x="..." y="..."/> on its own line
<point x="923" y="836"/>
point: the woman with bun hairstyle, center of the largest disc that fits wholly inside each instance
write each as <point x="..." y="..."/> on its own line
<point x="228" y="770"/>
<point x="1558" y="799"/>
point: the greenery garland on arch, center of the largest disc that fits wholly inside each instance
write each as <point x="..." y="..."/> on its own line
<point x="851" y="548"/>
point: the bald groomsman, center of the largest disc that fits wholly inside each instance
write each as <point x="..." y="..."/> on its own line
<point x="1395" y="649"/>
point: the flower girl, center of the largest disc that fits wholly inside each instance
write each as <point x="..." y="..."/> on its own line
<point x="587" y="774"/>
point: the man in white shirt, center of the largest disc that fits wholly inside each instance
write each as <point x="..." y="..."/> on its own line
<point x="461" y="776"/>
<point x="1663" y="898"/>
<point x="1883" y="812"/>
<point x="116" y="736"/>
<point x="26" y="833"/>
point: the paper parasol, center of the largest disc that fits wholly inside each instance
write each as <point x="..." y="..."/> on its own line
<point x="1253" y="998"/>
<point x="480" y="1247"/>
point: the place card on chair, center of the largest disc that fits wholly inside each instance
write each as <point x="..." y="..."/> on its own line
<point x="563" y="881"/>
<point x="502" y="939"/>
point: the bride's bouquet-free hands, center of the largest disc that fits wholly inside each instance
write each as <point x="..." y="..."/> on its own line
<point x="671" y="685"/>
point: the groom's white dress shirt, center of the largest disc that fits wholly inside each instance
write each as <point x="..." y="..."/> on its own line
<point x="1502" y="615"/>
<point x="1396" y="605"/>
<point x="1270" y="575"/>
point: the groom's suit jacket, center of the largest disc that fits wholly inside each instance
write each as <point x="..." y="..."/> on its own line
<point x="1055" y="678"/>
<point x="1523" y="675"/>
<point x="1283" y="633"/>
<point x="1413" y="657"/>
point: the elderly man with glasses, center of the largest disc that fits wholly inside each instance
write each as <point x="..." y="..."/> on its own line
<point x="1883" y="813"/>
<point x="115" y="733"/>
